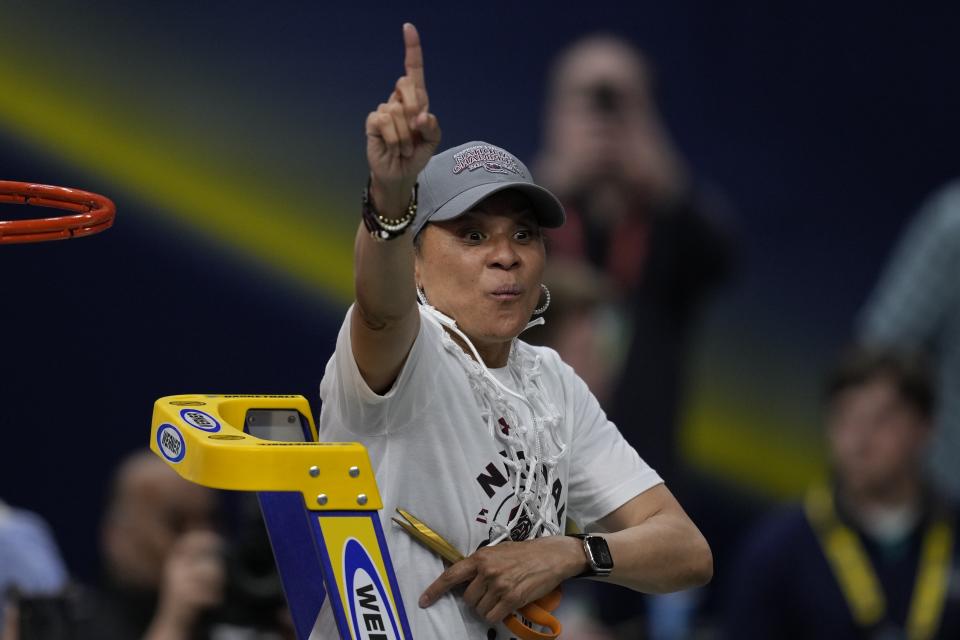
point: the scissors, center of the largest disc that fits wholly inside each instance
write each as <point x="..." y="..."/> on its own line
<point x="538" y="611"/>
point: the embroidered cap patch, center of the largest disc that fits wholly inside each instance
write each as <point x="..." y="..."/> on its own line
<point x="487" y="157"/>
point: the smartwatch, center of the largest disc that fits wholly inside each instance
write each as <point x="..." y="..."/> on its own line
<point x="598" y="555"/>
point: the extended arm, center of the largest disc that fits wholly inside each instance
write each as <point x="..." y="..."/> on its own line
<point x="401" y="136"/>
<point x="656" y="548"/>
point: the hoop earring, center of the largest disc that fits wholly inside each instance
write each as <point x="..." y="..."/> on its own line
<point x="421" y="296"/>
<point x="546" y="304"/>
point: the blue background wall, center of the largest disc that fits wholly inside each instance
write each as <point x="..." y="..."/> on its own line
<point x="230" y="135"/>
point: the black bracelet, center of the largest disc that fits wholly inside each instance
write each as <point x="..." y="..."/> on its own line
<point x="383" y="229"/>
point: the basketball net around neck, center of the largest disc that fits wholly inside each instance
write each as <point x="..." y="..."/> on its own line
<point x="532" y="451"/>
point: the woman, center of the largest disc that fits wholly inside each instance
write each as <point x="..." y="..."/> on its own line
<point x="493" y="442"/>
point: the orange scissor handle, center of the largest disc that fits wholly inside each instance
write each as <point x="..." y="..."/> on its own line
<point x="550" y="601"/>
<point x="538" y="612"/>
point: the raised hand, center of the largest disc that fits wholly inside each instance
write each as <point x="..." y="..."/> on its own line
<point x="193" y="581"/>
<point x="402" y="134"/>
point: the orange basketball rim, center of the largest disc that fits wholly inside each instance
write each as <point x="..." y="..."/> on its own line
<point x="90" y="213"/>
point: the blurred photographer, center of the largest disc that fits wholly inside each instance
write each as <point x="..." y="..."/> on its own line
<point x="606" y="150"/>
<point x="163" y="560"/>
<point x="636" y="214"/>
<point x="168" y="574"/>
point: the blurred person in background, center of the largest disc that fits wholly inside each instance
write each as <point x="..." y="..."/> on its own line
<point x="168" y="573"/>
<point x="872" y="554"/>
<point x="635" y="214"/>
<point x="30" y="561"/>
<point x="161" y="562"/>
<point x="163" y="559"/>
<point x="916" y="305"/>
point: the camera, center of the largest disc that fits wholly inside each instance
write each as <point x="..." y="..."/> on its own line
<point x="606" y="99"/>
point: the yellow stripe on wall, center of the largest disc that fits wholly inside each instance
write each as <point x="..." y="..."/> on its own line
<point x="101" y="138"/>
<point x="749" y="448"/>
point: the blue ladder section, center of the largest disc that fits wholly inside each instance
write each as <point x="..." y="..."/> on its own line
<point x="298" y="558"/>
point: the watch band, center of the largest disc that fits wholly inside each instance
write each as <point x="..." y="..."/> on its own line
<point x="599" y="559"/>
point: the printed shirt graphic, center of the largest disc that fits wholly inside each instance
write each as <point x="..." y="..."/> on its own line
<point x="500" y="504"/>
<point x="433" y="455"/>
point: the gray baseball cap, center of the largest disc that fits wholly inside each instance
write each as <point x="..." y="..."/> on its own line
<point x="457" y="179"/>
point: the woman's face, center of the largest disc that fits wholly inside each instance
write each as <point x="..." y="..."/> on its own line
<point x="484" y="268"/>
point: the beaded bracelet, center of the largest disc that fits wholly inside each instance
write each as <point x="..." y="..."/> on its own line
<point x="382" y="229"/>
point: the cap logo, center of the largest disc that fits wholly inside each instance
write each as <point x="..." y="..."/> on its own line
<point x="492" y="159"/>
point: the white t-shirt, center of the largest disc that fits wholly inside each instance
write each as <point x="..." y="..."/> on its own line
<point x="435" y="456"/>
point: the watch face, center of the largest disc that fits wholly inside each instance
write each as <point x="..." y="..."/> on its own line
<point x="600" y="552"/>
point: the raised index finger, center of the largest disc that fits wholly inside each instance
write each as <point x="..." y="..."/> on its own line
<point x="413" y="58"/>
